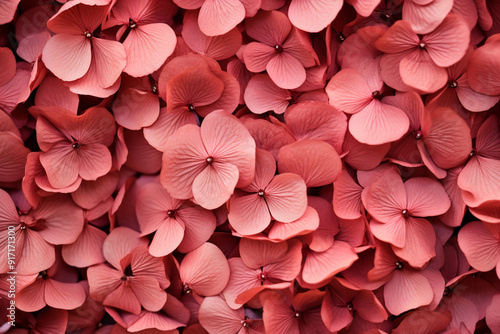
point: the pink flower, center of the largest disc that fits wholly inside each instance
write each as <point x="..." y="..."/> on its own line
<point x="216" y="158"/>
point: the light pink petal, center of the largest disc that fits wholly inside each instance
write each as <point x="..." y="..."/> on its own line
<point x="241" y="279"/>
<point x="215" y="185"/>
<point x="313" y="16"/>
<point x="262" y="95"/>
<point x="424" y="18"/>
<point x="126" y="108"/>
<point x="31" y="47"/>
<point x="37" y="253"/>
<point x="217" y="17"/>
<point x="479" y="245"/>
<point x="399" y="38"/>
<point x="390" y="72"/>
<point x="426" y="197"/>
<point x="453" y="217"/>
<point x="123" y="298"/>
<point x="480" y="180"/>
<point x="66" y="296"/>
<point x="472" y="100"/>
<point x="248" y="213"/>
<point x="68" y="56"/>
<point x="119" y="243"/>
<point x="205" y="270"/>
<point x="109" y="57"/>
<point x="347" y="197"/>
<point x="102" y="281"/>
<point x="166" y="239"/>
<point x="228" y="141"/>
<point x="446" y="137"/>
<point x="314" y="160"/>
<point x="216" y="47"/>
<point x="216" y="316"/>
<point x="286" y="197"/>
<point x="362" y="156"/>
<point x="265" y="170"/>
<point x="189" y="4"/>
<point x="230" y="95"/>
<point x="482" y="71"/>
<point x="489" y="211"/>
<point x="257" y="56"/>
<point x="419" y="71"/>
<point x="286" y="71"/>
<point x="8" y="9"/>
<point x="316" y="120"/>
<point x="31" y="298"/>
<point x="420" y="242"/>
<point x="148" y="292"/>
<point x="199" y="225"/>
<point x="258" y="253"/>
<point x="349" y="92"/>
<point x="52" y="92"/>
<point x="493" y="314"/>
<point x="94" y="161"/>
<point x="406" y="290"/>
<point x="8" y="65"/>
<point x="61" y="164"/>
<point x="89" y="83"/>
<point x="147" y="47"/>
<point x="451" y="35"/>
<point x="320" y="266"/>
<point x="271" y="28"/>
<point x="183" y="161"/>
<point x="364" y="7"/>
<point x="309" y="222"/>
<point x="378" y="123"/>
<point x="165" y="125"/>
<point x="87" y="249"/>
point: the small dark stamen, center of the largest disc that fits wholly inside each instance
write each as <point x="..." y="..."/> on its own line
<point x="75" y="145"/>
<point x="278" y="48"/>
<point x="44" y="274"/>
<point x="446" y="291"/>
<point x="123" y="278"/>
<point x="244" y="323"/>
<point x="341" y="37"/>
<point x="132" y="24"/>
<point x="376" y="93"/>
<point x="261" y="193"/>
<point x="191" y="108"/>
<point x="210" y="160"/>
<point x="472" y="153"/>
<point x="87" y="34"/>
<point x="453" y="84"/>
<point x="171" y="213"/>
<point x="421" y="45"/>
<point x="297" y="315"/>
<point x="186" y="289"/>
<point x="128" y="271"/>
<point x="405" y="213"/>
<point x="349" y="306"/>
<point x="418" y="135"/>
<point x="399" y="265"/>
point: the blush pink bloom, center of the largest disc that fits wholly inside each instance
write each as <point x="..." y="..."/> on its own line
<point x="281" y="49"/>
<point x="8" y="9"/>
<point x="204" y="271"/>
<point x="216" y="158"/>
<point x="134" y="280"/>
<point x="483" y="70"/>
<point x="282" y="197"/>
<point x="56" y="287"/>
<point x="372" y="122"/>
<point x="73" y="146"/>
<point x="262" y="265"/>
<point x="480" y="243"/>
<point x="13" y="153"/>
<point x="93" y="65"/>
<point x="217" y="317"/>
<point x="422" y="60"/>
<point x="425" y="15"/>
<point x="396" y="208"/>
<point x="56" y="220"/>
<point x="147" y="38"/>
<point x="178" y="224"/>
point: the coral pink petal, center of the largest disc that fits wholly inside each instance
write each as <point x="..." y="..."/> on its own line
<point x="258" y="253"/>
<point x="31" y="47"/>
<point x="68" y="56"/>
<point x="94" y="161"/>
<point x="38" y="255"/>
<point x="451" y="35"/>
<point x="493" y="314"/>
<point x="120" y="242"/>
<point x="378" y="123"/>
<point x="426" y="197"/>
<point x="399" y="38"/>
<point x="189" y="4"/>
<point x="311" y="15"/>
<point x="87" y="249"/>
<point x="447" y="138"/>
<point x="488" y="138"/>
<point x="126" y="104"/>
<point x="148" y="292"/>
<point x="199" y="225"/>
<point x="472" y="100"/>
<point x="228" y="141"/>
<point x="248" y="213"/>
<point x="110" y="59"/>
<point x="364" y="7"/>
<point x="349" y="92"/>
<point x="147" y="47"/>
<point x="265" y="169"/>
<point x="420" y="242"/>
<point x="91" y="193"/>
<point x="124" y="299"/>
<point x="217" y="17"/>
<point x="205" y="270"/>
<point x="286" y="71"/>
<point x="362" y="156"/>
<point x="335" y="316"/>
<point x="13" y="156"/>
<point x="8" y="10"/>
<point x="166" y="239"/>
<point x="242" y="279"/>
<point x="480" y="180"/>
<point x="31" y="298"/>
<point x="52" y="92"/>
<point x="8" y="66"/>
<point x="424" y="18"/>
<point x="480" y="245"/>
<point x="419" y="71"/>
<point x="320" y="266"/>
<point x="347" y="197"/>
<point x="286" y="197"/>
<point x="102" y="281"/>
<point x="230" y="95"/>
<point x="215" y="185"/>
<point x="66" y="296"/>
<point x="61" y="164"/>
<point x="89" y="83"/>
<point x="390" y="71"/>
<point x="262" y="95"/>
<point x="271" y="28"/>
<point x="368" y="306"/>
<point x="406" y="290"/>
<point x="257" y="56"/>
<point x="314" y="160"/>
<point x="165" y="125"/>
<point x="482" y="71"/>
<point x="308" y="223"/>
<point x="489" y="211"/>
<point x="216" y="316"/>
<point x="183" y="161"/>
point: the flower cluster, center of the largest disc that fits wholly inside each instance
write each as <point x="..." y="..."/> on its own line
<point x="250" y="166"/>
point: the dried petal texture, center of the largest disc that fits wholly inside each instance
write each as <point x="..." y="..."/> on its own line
<point x="217" y="317"/>
<point x="314" y="160"/>
<point x="13" y="153"/>
<point x="281" y="50"/>
<point x="480" y="243"/>
<point x="74" y="146"/>
<point x="53" y="92"/>
<point x="217" y="17"/>
<point x="262" y="95"/>
<point x="216" y="47"/>
<point x="425" y="17"/>
<point x="480" y="178"/>
<point x="307" y="223"/>
<point x="347" y="197"/>
<point x="313" y="16"/>
<point x="269" y="136"/>
<point x="8" y="65"/>
<point x="482" y="71"/>
<point x="157" y="211"/>
<point x="219" y="156"/>
<point x="87" y="249"/>
<point x="8" y="10"/>
<point x="492" y="314"/>
<point x="316" y="120"/>
<point x="205" y="270"/>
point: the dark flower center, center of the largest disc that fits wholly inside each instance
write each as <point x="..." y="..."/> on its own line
<point x="44" y="274"/>
<point x="191" y="108"/>
<point x="405" y="213"/>
<point x="261" y="193"/>
<point x="349" y="306"/>
<point x="376" y="93"/>
<point x="446" y="291"/>
<point x="297" y="315"/>
<point x="262" y="278"/>
<point x="399" y="265"/>
<point x="128" y="271"/>
<point x="171" y="213"/>
<point x="87" y="34"/>
<point x="210" y="160"/>
<point x="418" y="135"/>
<point x="186" y="288"/>
<point x="244" y="323"/>
<point x="76" y="145"/>
<point x="421" y="45"/>
<point x="454" y="84"/>
<point x="132" y="24"/>
<point x="341" y="37"/>
<point x="472" y="153"/>
<point x="278" y="48"/>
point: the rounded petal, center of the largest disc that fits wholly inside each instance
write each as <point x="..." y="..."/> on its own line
<point x="313" y="15"/>
<point x="406" y="290"/>
<point x="217" y="17"/>
<point x="419" y="71"/>
<point x="248" y="213"/>
<point x="480" y="245"/>
<point x="286" y="197"/>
